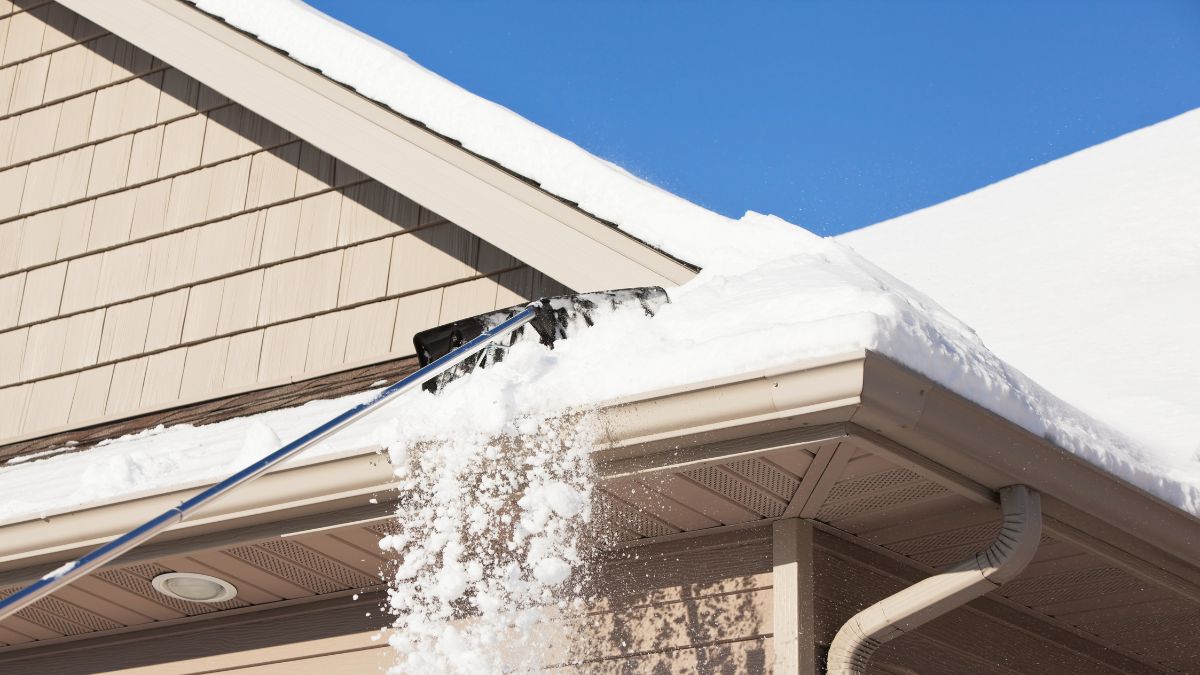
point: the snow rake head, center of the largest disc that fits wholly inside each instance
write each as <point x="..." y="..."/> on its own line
<point x="555" y="319"/>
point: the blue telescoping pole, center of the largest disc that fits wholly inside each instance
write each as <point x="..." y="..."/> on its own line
<point x="73" y="570"/>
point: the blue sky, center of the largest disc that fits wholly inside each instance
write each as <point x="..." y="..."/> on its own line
<point x="833" y="115"/>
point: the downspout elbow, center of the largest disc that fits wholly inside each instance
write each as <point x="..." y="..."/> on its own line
<point x="1002" y="561"/>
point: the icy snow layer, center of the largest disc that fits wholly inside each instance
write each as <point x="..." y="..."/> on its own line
<point x="813" y="299"/>
<point x="1084" y="273"/>
<point x="386" y="75"/>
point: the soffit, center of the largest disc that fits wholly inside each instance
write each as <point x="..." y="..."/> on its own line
<point x="872" y="501"/>
<point x="298" y="565"/>
<point x="823" y="473"/>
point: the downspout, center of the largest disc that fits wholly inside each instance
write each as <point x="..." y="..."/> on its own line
<point x="926" y="600"/>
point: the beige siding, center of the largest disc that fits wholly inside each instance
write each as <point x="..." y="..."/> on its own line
<point x="161" y="244"/>
<point x="700" y="606"/>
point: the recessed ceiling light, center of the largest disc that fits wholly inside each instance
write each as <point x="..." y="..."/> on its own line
<point x="194" y="587"/>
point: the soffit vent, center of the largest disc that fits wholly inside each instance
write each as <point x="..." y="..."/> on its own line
<point x="1072" y="585"/>
<point x="386" y="528"/>
<point x="876" y="501"/>
<point x="767" y="475"/>
<point x="52" y="612"/>
<point x="137" y="579"/>
<point x="319" y="563"/>
<point x="884" y="480"/>
<point x="619" y="515"/>
<point x="944" y="548"/>
<point x="738" y="490"/>
<point x="285" y="569"/>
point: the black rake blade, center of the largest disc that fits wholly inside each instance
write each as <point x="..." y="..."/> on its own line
<point x="556" y="318"/>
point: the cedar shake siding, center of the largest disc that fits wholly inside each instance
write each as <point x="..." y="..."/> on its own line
<point x="162" y="245"/>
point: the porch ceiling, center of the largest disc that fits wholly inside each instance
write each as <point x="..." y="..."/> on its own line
<point x="875" y="502"/>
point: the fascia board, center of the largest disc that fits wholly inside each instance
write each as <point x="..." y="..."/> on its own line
<point x="288" y="493"/>
<point x="806" y="393"/>
<point x="516" y="216"/>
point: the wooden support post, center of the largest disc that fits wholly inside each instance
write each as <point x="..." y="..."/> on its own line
<point x="794" y="618"/>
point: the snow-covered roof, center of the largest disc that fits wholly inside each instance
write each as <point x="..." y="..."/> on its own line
<point x="770" y="294"/>
<point x="1084" y="273"/>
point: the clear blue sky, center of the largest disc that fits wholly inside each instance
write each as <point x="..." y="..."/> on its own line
<point x="833" y="115"/>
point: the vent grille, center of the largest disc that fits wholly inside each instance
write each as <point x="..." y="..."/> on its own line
<point x="136" y="579"/>
<point x="265" y="560"/>
<point x="386" y="528"/>
<point x="873" y="483"/>
<point x="944" y="548"/>
<point x="76" y="614"/>
<point x="775" y="480"/>
<point x="1073" y="585"/>
<point x="879" y="500"/>
<point x="625" y="517"/>
<point x="319" y="563"/>
<point x="60" y="616"/>
<point x="51" y="621"/>
<point x="737" y="490"/>
<point x="954" y="538"/>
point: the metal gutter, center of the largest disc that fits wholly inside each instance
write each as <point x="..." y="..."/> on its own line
<point x="877" y="404"/>
<point x="930" y="598"/>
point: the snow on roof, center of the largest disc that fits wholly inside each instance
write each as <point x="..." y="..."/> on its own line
<point x="771" y="294"/>
<point x="1084" y="273"/>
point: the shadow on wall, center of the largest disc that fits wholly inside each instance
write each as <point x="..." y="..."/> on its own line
<point x="679" y="607"/>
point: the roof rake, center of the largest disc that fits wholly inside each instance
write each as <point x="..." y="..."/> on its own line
<point x="445" y="353"/>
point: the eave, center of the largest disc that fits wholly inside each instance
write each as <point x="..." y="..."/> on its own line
<point x="864" y="398"/>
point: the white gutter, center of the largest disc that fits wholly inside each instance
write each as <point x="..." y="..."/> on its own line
<point x="926" y="600"/>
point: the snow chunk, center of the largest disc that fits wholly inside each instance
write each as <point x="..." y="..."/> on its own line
<point x="474" y="577"/>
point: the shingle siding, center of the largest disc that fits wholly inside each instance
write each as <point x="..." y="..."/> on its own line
<point x="160" y="243"/>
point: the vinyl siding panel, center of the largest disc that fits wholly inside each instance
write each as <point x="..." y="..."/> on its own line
<point x="160" y="243"/>
<point x="11" y="288"/>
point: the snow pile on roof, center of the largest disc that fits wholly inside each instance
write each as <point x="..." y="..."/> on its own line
<point x="814" y="299"/>
<point x="385" y="74"/>
<point x="1084" y="273"/>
